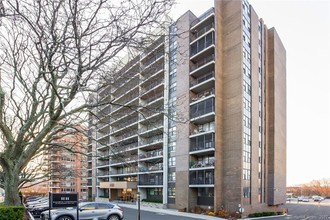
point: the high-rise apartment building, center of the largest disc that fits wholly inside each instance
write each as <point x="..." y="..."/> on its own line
<point x="200" y="117"/>
<point x="67" y="168"/>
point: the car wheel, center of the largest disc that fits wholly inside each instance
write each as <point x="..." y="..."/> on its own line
<point x="113" y="217"/>
<point x="65" y="217"/>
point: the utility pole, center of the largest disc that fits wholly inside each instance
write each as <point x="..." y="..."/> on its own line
<point x="138" y="203"/>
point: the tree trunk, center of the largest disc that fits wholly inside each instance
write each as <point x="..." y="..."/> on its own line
<point x="11" y="181"/>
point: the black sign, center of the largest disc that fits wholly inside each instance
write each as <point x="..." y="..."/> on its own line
<point x="63" y="200"/>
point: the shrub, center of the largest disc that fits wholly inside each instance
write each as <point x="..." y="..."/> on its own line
<point x="153" y="200"/>
<point x="11" y="212"/>
<point x="223" y="213"/>
<point x="261" y="214"/>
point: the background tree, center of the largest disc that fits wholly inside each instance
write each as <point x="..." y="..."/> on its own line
<point x="52" y="53"/>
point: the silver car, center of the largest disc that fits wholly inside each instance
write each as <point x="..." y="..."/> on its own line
<point x="87" y="210"/>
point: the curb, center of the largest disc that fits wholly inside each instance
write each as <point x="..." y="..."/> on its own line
<point x="171" y="212"/>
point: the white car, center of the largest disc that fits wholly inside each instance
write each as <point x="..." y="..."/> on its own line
<point x="86" y="210"/>
<point x="305" y="199"/>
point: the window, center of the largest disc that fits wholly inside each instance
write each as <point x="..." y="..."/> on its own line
<point x="155" y="192"/>
<point x="104" y="206"/>
<point x="89" y="206"/>
<point x="171" y="177"/>
<point x="171" y="192"/>
<point x="171" y="161"/>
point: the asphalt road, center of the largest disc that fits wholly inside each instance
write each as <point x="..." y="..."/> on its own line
<point x="309" y="210"/>
<point x="306" y="211"/>
<point x="131" y="214"/>
<point x="297" y="211"/>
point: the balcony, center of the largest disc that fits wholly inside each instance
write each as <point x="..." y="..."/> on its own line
<point x="149" y="155"/>
<point x="125" y="159"/>
<point x="151" y="129"/>
<point x="127" y="124"/>
<point x="203" y="18"/>
<point x="202" y="83"/>
<point x="121" y="115"/>
<point x="125" y="136"/>
<point x="200" y="178"/>
<point x="196" y="33"/>
<point x="152" y="141"/>
<point x="194" y="165"/>
<point x="201" y="96"/>
<point x="202" y="143"/>
<point x="151" y="179"/>
<point x="202" y="148"/>
<point x="129" y="94"/>
<point x="127" y="147"/>
<point x="102" y="173"/>
<point x="154" y="46"/>
<point x="198" y="132"/>
<point x="154" y="98"/>
<point x="152" y="73"/>
<point x="157" y="58"/>
<point x="150" y="115"/>
<point x="202" y="67"/>
<point x="203" y="111"/>
<point x="102" y="163"/>
<point x="133" y="101"/>
<point x="150" y="87"/>
<point x="202" y="47"/>
<point x="151" y="168"/>
<point x="125" y="171"/>
<point x="129" y="83"/>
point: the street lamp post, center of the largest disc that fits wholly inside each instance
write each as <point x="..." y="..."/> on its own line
<point x="138" y="203"/>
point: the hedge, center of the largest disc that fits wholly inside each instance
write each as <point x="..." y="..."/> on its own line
<point x="11" y="212"/>
<point x="261" y="214"/>
<point x="153" y="200"/>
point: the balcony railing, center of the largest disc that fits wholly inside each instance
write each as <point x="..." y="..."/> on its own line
<point x="125" y="124"/>
<point x="124" y="136"/>
<point x="149" y="86"/>
<point x="125" y="160"/>
<point x="202" y="62"/>
<point x="155" y="139"/>
<point x="202" y="17"/>
<point x="103" y="163"/>
<point x="202" y="95"/>
<point x="119" y="172"/>
<point x="151" y="182"/>
<point x="202" y="108"/>
<point x="202" y="146"/>
<point x="201" y="181"/>
<point x="103" y="173"/>
<point x="153" y="98"/>
<point x="202" y="31"/>
<point x="151" y="127"/>
<point x="152" y="71"/>
<point x="156" y="167"/>
<point x="126" y="147"/>
<point x="201" y="177"/>
<point x="201" y="164"/>
<point x="154" y="58"/>
<point x="202" y="79"/>
<point x="202" y="44"/>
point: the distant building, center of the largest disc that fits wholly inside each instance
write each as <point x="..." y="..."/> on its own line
<point x="35" y="188"/>
<point x="68" y="169"/>
<point x="223" y="76"/>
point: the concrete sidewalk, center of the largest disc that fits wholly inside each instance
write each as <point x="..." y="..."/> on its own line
<point x="169" y="212"/>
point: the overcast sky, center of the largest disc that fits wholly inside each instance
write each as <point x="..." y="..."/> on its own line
<point x="303" y="27"/>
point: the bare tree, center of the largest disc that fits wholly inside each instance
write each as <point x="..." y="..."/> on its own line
<point x="53" y="52"/>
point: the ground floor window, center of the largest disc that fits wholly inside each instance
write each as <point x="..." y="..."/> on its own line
<point x="205" y="196"/>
